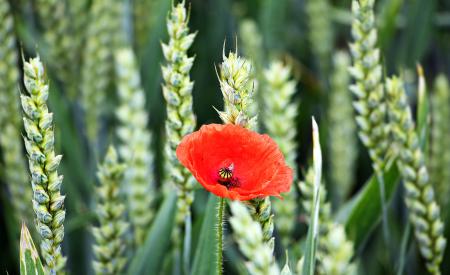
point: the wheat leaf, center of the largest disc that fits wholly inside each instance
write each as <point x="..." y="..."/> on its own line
<point x="30" y="263"/>
<point x="313" y="231"/>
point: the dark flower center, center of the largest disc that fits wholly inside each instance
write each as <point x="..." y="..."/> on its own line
<point x="226" y="177"/>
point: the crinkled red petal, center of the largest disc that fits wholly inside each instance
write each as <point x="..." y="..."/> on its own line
<point x="259" y="165"/>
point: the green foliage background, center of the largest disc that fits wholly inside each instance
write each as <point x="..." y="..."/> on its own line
<point x="410" y="32"/>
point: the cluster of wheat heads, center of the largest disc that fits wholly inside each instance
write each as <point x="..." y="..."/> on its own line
<point x="111" y="87"/>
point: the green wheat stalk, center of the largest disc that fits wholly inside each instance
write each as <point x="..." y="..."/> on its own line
<point x="279" y="119"/>
<point x="56" y="22"/>
<point x="440" y="141"/>
<point x="342" y="132"/>
<point x="306" y="187"/>
<point x="250" y="238"/>
<point x="320" y="32"/>
<point x="367" y="71"/>
<point x="252" y="48"/>
<point x="424" y="212"/>
<point x="180" y="121"/>
<point x="369" y="93"/>
<point x="135" y="148"/>
<point x="64" y="24"/>
<point x="338" y="252"/>
<point x="14" y="164"/>
<point x="45" y="9"/>
<point x="78" y="14"/>
<point x="109" y="247"/>
<point x="143" y="21"/>
<point x="236" y="84"/>
<point x="335" y="250"/>
<point x="177" y="91"/>
<point x="252" y="44"/>
<point x="48" y="203"/>
<point x="98" y="67"/>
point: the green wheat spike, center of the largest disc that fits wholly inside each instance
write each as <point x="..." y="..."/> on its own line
<point x="135" y="147"/>
<point x="440" y="141"/>
<point x="177" y="92"/>
<point x="320" y="32"/>
<point x="252" y="48"/>
<point x="369" y="102"/>
<point x="424" y="212"/>
<point x="250" y="238"/>
<point x="335" y="251"/>
<point x="103" y="34"/>
<point x="61" y="43"/>
<point x="48" y="202"/>
<point x="236" y="83"/>
<point x="280" y="112"/>
<point x="143" y="19"/>
<point x="342" y="132"/>
<point x="109" y="247"/>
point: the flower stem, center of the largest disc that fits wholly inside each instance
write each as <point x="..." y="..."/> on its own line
<point x="187" y="243"/>
<point x="220" y="212"/>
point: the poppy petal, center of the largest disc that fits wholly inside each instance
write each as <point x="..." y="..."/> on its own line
<point x="258" y="166"/>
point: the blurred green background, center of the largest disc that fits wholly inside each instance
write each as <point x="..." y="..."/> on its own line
<point x="410" y="32"/>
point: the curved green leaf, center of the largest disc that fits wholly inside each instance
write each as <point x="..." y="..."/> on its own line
<point x="150" y="256"/>
<point x="30" y="263"/>
<point x="313" y="231"/>
<point x="361" y="215"/>
<point x="205" y="255"/>
<point x="422" y="110"/>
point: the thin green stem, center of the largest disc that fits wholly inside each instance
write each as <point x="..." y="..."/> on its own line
<point x="385" y="223"/>
<point x="187" y="243"/>
<point x="220" y="213"/>
<point x="403" y="248"/>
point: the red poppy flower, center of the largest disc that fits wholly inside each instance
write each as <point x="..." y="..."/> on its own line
<point x="233" y="162"/>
